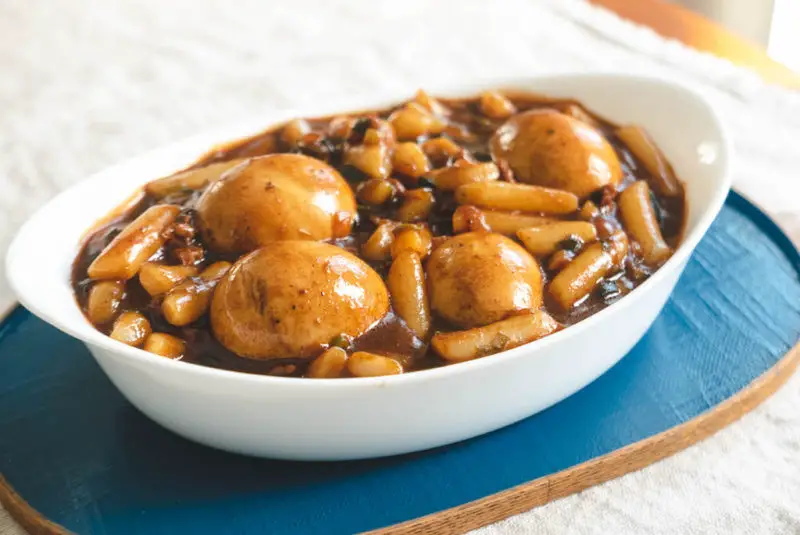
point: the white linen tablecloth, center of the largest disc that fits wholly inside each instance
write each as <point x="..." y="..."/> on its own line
<point x="84" y="84"/>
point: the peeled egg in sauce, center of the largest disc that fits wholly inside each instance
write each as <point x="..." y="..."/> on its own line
<point x="478" y="278"/>
<point x="275" y="197"/>
<point x="291" y="298"/>
<point x="548" y="148"/>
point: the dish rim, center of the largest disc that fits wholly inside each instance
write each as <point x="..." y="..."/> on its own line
<point x="89" y="335"/>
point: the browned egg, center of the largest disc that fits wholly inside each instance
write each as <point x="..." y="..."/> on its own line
<point x="275" y="197"/>
<point x="551" y="149"/>
<point x="478" y="278"/>
<point x="291" y="298"/>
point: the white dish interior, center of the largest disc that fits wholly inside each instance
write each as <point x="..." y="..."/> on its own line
<point x="359" y="418"/>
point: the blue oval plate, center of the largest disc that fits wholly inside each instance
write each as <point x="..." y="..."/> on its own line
<point x="75" y="451"/>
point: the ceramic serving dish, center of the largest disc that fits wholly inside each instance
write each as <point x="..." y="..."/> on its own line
<point x="314" y="419"/>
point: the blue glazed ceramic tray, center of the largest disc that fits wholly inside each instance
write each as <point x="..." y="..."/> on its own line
<point x="79" y="456"/>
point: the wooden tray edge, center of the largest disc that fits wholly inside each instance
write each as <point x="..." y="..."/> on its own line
<point x="539" y="491"/>
<point x="25" y="515"/>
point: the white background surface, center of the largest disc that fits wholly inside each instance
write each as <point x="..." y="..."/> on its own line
<point x="85" y="83"/>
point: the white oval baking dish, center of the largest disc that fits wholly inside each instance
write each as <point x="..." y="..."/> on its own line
<point x="318" y="419"/>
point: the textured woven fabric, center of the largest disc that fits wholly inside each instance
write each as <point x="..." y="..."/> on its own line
<point x="84" y="84"/>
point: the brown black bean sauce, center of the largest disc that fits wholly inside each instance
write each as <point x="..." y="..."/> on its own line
<point x="470" y="129"/>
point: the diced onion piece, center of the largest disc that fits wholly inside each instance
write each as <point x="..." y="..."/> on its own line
<point x="329" y="364"/>
<point x="131" y="328"/>
<point x="410" y="160"/>
<point x="417" y="205"/>
<point x="378" y="246"/>
<point x="105" y="300"/>
<point x="496" y="106"/>
<point x="364" y="364"/>
<point x="165" y="345"/>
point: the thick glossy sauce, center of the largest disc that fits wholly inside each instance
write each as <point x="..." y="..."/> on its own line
<point x="470" y="129"/>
